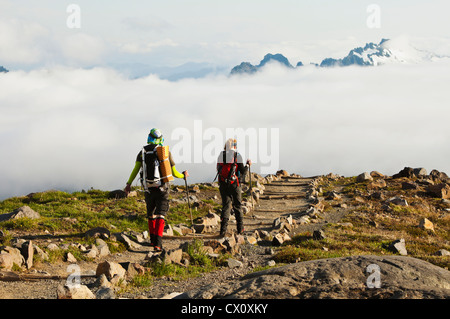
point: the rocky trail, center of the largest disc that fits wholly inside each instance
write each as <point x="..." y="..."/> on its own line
<point x="277" y="209"/>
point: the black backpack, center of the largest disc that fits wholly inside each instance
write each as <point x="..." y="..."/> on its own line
<point x="150" y="174"/>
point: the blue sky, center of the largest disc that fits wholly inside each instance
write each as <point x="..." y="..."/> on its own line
<point x="170" y="33"/>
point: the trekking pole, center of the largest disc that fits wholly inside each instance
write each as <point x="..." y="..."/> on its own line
<point x="251" y="186"/>
<point x="187" y="195"/>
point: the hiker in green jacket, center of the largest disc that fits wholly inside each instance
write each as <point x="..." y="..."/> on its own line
<point x="156" y="191"/>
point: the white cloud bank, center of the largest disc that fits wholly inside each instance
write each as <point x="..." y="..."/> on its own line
<point x="73" y="129"/>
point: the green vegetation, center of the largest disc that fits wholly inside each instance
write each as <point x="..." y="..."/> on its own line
<point x="78" y="212"/>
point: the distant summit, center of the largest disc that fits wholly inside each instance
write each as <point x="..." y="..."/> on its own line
<point x="372" y="54"/>
<point x="369" y="55"/>
<point x="3" y="70"/>
<point x="246" y="67"/>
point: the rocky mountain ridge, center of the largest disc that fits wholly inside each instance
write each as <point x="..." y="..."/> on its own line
<point x="372" y="54"/>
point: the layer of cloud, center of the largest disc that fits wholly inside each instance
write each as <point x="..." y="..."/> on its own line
<point x="26" y="44"/>
<point x="73" y="129"/>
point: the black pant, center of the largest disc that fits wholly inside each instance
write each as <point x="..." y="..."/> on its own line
<point x="231" y="202"/>
<point x="157" y="202"/>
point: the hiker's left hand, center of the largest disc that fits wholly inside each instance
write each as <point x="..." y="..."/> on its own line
<point x="249" y="162"/>
<point x="186" y="174"/>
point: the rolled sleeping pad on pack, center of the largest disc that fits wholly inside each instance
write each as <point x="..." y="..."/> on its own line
<point x="165" y="169"/>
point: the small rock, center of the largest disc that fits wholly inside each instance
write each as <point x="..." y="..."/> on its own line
<point x="6" y="262"/>
<point x="195" y="189"/>
<point x="28" y="253"/>
<point x="71" y="258"/>
<point x="420" y="171"/>
<point x="406" y="172"/>
<point x="110" y="269"/>
<point x="319" y="235"/>
<point x="20" y="212"/>
<point x="399" y="247"/>
<point x="15" y="255"/>
<point x="398" y="201"/>
<point x="333" y="196"/>
<point x="380" y="183"/>
<point x="441" y="190"/>
<point x="271" y="263"/>
<point x="376" y="174"/>
<point x="233" y="263"/>
<point x="98" y="232"/>
<point x="117" y="194"/>
<point x="92" y="253"/>
<point x="74" y="292"/>
<point x="171" y="295"/>
<point x="364" y="177"/>
<point x="280" y="238"/>
<point x="105" y="293"/>
<point x="409" y="185"/>
<point x="102" y="248"/>
<point x="443" y="252"/>
<point x="426" y="224"/>
<point x="173" y="256"/>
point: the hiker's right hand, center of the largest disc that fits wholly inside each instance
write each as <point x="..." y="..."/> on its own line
<point x="186" y="174"/>
<point x="127" y="188"/>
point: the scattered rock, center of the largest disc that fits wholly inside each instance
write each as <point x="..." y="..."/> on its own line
<point x="74" y="292"/>
<point x="376" y="174"/>
<point x="364" y="177"/>
<point x="105" y="293"/>
<point x="172" y="256"/>
<point x="132" y="269"/>
<point x="117" y="194"/>
<point x="110" y="269"/>
<point x="282" y="172"/>
<point x="102" y="247"/>
<point x="6" y="261"/>
<point x="441" y="190"/>
<point x="333" y="196"/>
<point x="52" y="247"/>
<point x="407" y="172"/>
<point x="409" y="185"/>
<point x="15" y="256"/>
<point x="398" y="201"/>
<point x="130" y="244"/>
<point x="280" y="238"/>
<point x="426" y="224"/>
<point x="233" y="263"/>
<point x="420" y="172"/>
<point x="319" y="234"/>
<point x="71" y="258"/>
<point x="27" y="252"/>
<point x="194" y="189"/>
<point x="379" y="183"/>
<point x="398" y="246"/>
<point x="98" y="232"/>
<point x="21" y="212"/>
<point x="443" y="252"/>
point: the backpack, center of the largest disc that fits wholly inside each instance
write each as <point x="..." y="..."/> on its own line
<point x="150" y="174"/>
<point x="227" y="170"/>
